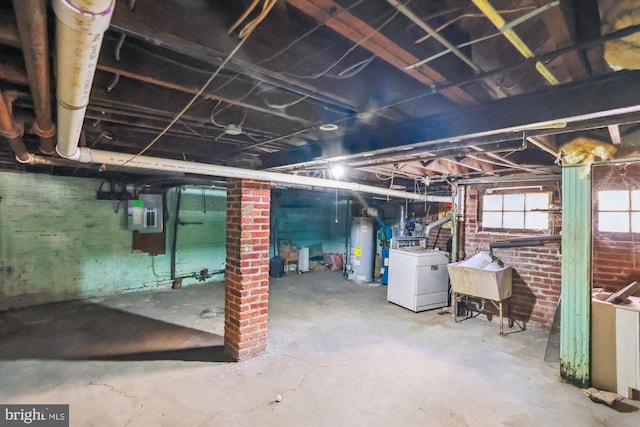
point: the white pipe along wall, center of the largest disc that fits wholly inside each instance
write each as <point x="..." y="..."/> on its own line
<point x="80" y="26"/>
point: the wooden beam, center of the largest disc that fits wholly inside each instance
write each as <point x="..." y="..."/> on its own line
<point x="471" y="164"/>
<point x="557" y="27"/>
<point x="344" y="23"/>
<point x="443" y="167"/>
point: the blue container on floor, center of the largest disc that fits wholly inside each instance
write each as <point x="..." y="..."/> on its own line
<point x="385" y="266"/>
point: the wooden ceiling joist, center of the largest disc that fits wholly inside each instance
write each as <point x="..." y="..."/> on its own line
<point x="346" y="24"/>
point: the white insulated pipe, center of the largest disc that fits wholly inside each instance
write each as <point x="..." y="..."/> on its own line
<point x="87" y="155"/>
<point x="80" y="25"/>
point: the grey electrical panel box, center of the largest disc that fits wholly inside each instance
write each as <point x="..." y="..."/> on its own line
<point x="145" y="214"/>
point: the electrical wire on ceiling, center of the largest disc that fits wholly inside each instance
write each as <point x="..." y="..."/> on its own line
<point x="250" y="27"/>
<point x="436" y="89"/>
<point x="287" y="105"/>
<point x="354" y="69"/>
<point x="507" y="26"/>
<point x="351" y="49"/>
<point x="290" y="45"/>
<point x="471" y="15"/>
<point x="214" y="113"/>
<point x="267" y="5"/>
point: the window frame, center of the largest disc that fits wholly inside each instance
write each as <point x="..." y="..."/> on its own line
<point x="524" y="230"/>
<point x="629" y="212"/>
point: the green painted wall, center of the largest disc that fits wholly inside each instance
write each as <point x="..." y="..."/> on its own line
<point x="307" y="217"/>
<point x="57" y="242"/>
<point x="201" y="231"/>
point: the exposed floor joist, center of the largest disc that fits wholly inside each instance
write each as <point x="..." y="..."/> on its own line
<point x="603" y="99"/>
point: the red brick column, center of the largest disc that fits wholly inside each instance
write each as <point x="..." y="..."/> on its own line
<point x="247" y="272"/>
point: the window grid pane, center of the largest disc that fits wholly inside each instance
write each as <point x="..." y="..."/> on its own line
<point x="537" y="201"/>
<point x="492" y="219"/>
<point x="614" y="200"/>
<point x="514" y="211"/>
<point x="514" y="202"/>
<point x="536" y="220"/>
<point x="635" y="222"/>
<point x="513" y="220"/>
<point x="492" y="203"/>
<point x="614" y="222"/>
<point x="635" y="200"/>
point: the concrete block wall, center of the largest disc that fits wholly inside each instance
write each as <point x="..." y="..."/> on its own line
<point x="616" y="256"/>
<point x="536" y="270"/>
<point x="57" y="242"/>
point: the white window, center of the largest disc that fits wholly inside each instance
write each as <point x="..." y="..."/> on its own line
<point x="522" y="211"/>
<point x="619" y="211"/>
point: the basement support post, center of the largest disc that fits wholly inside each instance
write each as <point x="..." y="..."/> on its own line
<point x="576" y="275"/>
<point x="247" y="272"/>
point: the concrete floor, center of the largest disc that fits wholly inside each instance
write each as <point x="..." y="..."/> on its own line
<point x="338" y="354"/>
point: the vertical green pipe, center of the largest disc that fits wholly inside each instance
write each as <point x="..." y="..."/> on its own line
<point x="576" y="275"/>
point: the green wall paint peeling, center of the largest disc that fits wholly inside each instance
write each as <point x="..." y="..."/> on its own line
<point x="576" y="275"/>
<point x="57" y="242"/>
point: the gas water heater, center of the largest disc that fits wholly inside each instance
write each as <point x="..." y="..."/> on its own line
<point x="362" y="249"/>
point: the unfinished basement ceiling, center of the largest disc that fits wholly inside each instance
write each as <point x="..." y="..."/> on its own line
<point x="415" y="89"/>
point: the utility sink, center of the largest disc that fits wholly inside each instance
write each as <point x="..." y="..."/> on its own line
<point x="481" y="277"/>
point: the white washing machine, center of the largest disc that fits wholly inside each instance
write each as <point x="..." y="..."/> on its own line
<point x="418" y="278"/>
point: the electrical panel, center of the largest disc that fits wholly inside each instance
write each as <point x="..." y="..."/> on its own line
<point x="145" y="214"/>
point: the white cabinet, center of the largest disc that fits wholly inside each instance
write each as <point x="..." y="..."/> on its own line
<point x="628" y="347"/>
<point x="418" y="278"/>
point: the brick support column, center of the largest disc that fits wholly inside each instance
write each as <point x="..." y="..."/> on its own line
<point x="247" y="272"/>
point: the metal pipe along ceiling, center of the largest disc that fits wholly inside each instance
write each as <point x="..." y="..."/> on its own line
<point x="13" y="132"/>
<point x="80" y="27"/>
<point x="31" y="17"/>
<point x="87" y="155"/>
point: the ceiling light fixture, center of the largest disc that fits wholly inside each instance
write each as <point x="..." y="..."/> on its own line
<point x="328" y="127"/>
<point x="337" y="171"/>
<point x="232" y="129"/>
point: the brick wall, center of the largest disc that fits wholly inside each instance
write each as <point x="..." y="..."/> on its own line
<point x="247" y="272"/>
<point x="536" y="270"/>
<point x="616" y="256"/>
<point x="439" y="235"/>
